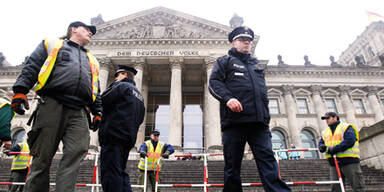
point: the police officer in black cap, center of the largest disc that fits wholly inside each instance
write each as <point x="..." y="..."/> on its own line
<point x="239" y="85"/>
<point x="123" y="109"/>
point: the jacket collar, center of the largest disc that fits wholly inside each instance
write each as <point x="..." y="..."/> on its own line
<point x="72" y="43"/>
<point x="243" y="57"/>
<point x="129" y="80"/>
<point x="334" y="125"/>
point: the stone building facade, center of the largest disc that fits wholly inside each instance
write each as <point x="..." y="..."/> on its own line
<point x="174" y="54"/>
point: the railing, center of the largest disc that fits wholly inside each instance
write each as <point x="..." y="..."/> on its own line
<point x="206" y="185"/>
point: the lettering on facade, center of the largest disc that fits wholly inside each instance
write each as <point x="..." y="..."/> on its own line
<point x="158" y="53"/>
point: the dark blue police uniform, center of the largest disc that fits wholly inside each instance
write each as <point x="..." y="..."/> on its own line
<point x="237" y="76"/>
<point x="123" y="112"/>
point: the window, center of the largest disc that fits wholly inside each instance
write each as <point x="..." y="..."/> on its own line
<point x="308" y="141"/>
<point x="359" y="106"/>
<point x="331" y="105"/>
<point x="278" y="140"/>
<point x="273" y="106"/>
<point x="302" y="106"/>
<point x="362" y="59"/>
<point x="370" y="51"/>
<point x="382" y="102"/>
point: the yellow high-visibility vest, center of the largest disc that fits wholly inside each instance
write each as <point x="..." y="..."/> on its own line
<point x="53" y="46"/>
<point x="22" y="160"/>
<point x="153" y="156"/>
<point x="337" y="137"/>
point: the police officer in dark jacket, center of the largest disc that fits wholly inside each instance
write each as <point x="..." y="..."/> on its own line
<point x="123" y="112"/>
<point x="239" y="85"/>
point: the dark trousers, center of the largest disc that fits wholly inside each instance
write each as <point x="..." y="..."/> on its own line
<point x="258" y="137"/>
<point x="350" y="171"/>
<point x="17" y="176"/>
<point x="151" y="180"/>
<point x="54" y="123"/>
<point x="113" y="160"/>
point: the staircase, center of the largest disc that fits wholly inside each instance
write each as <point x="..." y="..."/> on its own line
<point x="191" y="172"/>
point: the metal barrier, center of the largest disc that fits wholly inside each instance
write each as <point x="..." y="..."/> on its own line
<point x="205" y="185"/>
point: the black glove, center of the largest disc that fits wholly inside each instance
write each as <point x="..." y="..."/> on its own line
<point x="166" y="155"/>
<point x="143" y="154"/>
<point x="19" y="103"/>
<point x="95" y="123"/>
<point x="7" y="152"/>
<point x="331" y="150"/>
<point x="322" y="148"/>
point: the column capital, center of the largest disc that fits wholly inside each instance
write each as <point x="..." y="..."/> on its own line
<point x="287" y="89"/>
<point x="209" y="62"/>
<point x="344" y="89"/>
<point x="105" y="62"/>
<point x="372" y="90"/>
<point x="316" y="89"/>
<point x="176" y="62"/>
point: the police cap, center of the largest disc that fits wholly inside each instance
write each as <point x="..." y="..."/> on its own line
<point x="242" y="31"/>
<point x="156" y="132"/>
<point x="328" y="115"/>
<point x="124" y="68"/>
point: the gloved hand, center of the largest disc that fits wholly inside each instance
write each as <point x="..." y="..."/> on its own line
<point x="95" y="123"/>
<point x="6" y="152"/>
<point x="143" y="154"/>
<point x="19" y="103"/>
<point x="322" y="148"/>
<point x="166" y="155"/>
<point x="331" y="150"/>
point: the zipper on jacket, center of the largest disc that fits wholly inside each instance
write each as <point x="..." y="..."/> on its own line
<point x="78" y="82"/>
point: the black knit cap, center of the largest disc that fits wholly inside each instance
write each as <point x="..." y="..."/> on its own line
<point x="242" y="31"/>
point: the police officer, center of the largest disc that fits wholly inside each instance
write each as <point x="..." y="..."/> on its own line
<point x="123" y="108"/>
<point x="6" y="116"/>
<point x="20" y="164"/>
<point x="239" y="85"/>
<point x="342" y="139"/>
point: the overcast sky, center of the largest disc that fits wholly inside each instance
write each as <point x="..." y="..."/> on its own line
<point x="292" y="28"/>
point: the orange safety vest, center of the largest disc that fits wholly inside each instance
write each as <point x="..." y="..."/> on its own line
<point x="53" y="46"/>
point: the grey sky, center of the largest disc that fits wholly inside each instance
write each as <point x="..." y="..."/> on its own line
<point x="291" y="28"/>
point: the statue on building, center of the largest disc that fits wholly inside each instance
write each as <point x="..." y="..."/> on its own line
<point x="236" y="21"/>
<point x="359" y="62"/>
<point x="97" y="20"/>
<point x="2" y="59"/>
<point x="381" y="58"/>
<point x="308" y="63"/>
<point x="334" y="63"/>
<point x="281" y="62"/>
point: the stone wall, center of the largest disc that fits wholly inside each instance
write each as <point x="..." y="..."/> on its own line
<point x="371" y="145"/>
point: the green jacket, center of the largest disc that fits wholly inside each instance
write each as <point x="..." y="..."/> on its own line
<point x="6" y="115"/>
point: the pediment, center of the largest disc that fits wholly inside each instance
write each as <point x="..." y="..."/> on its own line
<point x="302" y="92"/>
<point x="330" y="92"/>
<point x="160" y="23"/>
<point x="381" y="92"/>
<point x="358" y="92"/>
<point x="273" y="91"/>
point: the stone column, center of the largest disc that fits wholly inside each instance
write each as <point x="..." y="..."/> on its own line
<point x="175" y="108"/>
<point x="319" y="106"/>
<point x="105" y="65"/>
<point x="375" y="104"/>
<point x="142" y="87"/>
<point x="291" y="109"/>
<point x="212" y="128"/>
<point x="348" y="108"/>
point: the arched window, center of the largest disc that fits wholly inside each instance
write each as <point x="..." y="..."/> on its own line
<point x="18" y="136"/>
<point x="308" y="141"/>
<point x="278" y="140"/>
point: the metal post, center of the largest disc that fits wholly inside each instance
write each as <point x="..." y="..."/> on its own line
<point x="205" y="173"/>
<point x="145" y="174"/>
<point x="339" y="174"/>
<point x="95" y="171"/>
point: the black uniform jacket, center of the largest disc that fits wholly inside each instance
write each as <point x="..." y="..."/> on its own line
<point x="237" y="76"/>
<point x="70" y="81"/>
<point x="123" y="112"/>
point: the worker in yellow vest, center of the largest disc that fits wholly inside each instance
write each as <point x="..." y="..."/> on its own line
<point x="6" y="116"/>
<point x="153" y="149"/>
<point x="65" y="76"/>
<point x="342" y="140"/>
<point x="20" y="165"/>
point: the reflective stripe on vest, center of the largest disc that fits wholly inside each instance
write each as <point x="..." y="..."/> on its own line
<point x="53" y="46"/>
<point x="4" y="102"/>
<point x="153" y="156"/>
<point x="21" y="161"/>
<point x="337" y="137"/>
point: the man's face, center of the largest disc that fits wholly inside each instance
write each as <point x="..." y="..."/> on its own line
<point x="331" y="120"/>
<point x="82" y="34"/>
<point x="155" y="137"/>
<point x="242" y="44"/>
<point x="121" y="76"/>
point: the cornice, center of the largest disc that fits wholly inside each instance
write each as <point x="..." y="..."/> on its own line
<point x="135" y="42"/>
<point x="326" y="71"/>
